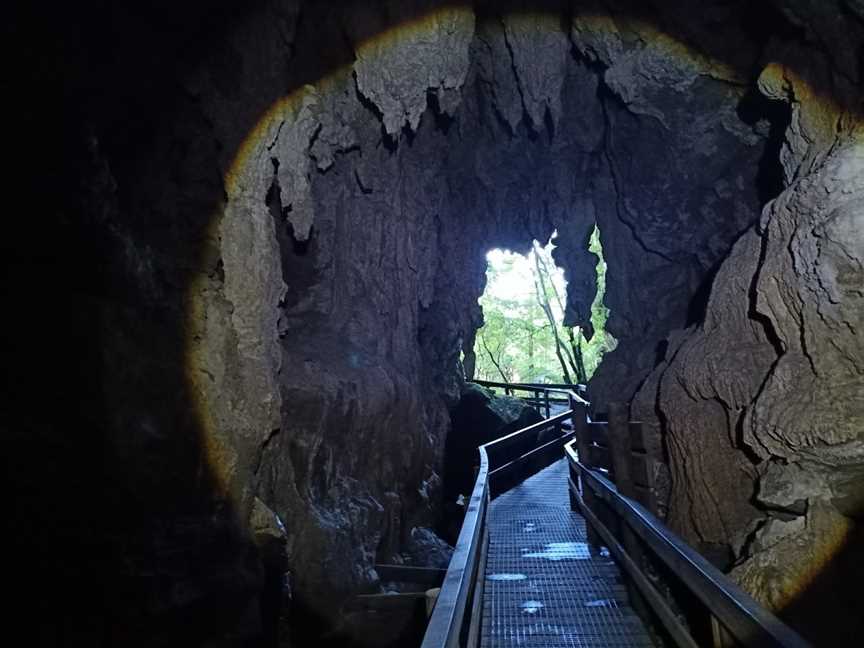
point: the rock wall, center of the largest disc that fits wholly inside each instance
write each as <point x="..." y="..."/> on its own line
<point x="771" y="380"/>
<point x="676" y="181"/>
<point x="272" y="228"/>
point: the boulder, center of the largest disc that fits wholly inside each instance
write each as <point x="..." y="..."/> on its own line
<point x="478" y="418"/>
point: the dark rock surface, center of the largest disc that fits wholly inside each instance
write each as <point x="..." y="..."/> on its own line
<point x="426" y="549"/>
<point x="479" y="417"/>
<point x="256" y="253"/>
<point x="760" y="404"/>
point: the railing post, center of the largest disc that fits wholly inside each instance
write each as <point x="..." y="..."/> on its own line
<point x="548" y="408"/>
<point x="620" y="448"/>
<point x="719" y="636"/>
<point x="582" y="433"/>
<point x="654" y="453"/>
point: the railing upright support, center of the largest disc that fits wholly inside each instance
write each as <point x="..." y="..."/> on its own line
<point x="582" y="433"/>
<point x="546" y="400"/>
<point x="621" y="449"/>
<point x="719" y="636"/>
<point x="654" y="451"/>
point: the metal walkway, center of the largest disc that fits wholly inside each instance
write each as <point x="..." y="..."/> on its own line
<point x="543" y="585"/>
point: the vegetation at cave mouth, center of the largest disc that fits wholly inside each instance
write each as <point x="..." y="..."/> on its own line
<point x="523" y="338"/>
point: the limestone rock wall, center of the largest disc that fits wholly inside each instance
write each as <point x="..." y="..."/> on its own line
<point x="760" y="404"/>
<point x="677" y="161"/>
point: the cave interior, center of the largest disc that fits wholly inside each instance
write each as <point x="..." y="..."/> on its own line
<point x="234" y="324"/>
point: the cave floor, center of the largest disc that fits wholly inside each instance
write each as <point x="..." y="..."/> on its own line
<point x="544" y="585"/>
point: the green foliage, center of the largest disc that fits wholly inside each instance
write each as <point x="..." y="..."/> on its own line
<point x="602" y="341"/>
<point x="523" y="311"/>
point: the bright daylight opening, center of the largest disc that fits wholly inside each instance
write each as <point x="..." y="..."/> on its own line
<point x="524" y="338"/>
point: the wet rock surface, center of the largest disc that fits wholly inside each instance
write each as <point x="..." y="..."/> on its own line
<point x="426" y="549"/>
<point x="268" y="235"/>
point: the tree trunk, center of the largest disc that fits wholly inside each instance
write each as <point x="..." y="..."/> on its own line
<point x="549" y="316"/>
<point x="576" y="346"/>
<point x="543" y="300"/>
<point x="504" y="376"/>
<point x="574" y="353"/>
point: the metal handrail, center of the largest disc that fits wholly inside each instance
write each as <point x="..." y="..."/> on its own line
<point x="533" y="387"/>
<point x="737" y="612"/>
<point x="529" y="385"/>
<point x="445" y="626"/>
<point x="569" y="393"/>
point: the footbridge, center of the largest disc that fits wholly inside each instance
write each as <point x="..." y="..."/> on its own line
<point x="562" y="546"/>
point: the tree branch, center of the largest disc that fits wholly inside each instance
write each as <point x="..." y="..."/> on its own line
<point x="492" y="358"/>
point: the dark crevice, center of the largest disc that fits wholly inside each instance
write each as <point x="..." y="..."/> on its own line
<point x="802" y="339"/>
<point x="263" y="448"/>
<point x="785" y="513"/>
<point x="219" y="272"/>
<point x="747" y="546"/>
<point x="698" y="305"/>
<point x="752" y="109"/>
<point x="389" y="142"/>
<point x="300" y="247"/>
<point x="363" y="188"/>
<point x="485" y="97"/>
<point x="604" y="95"/>
<point x="276" y="137"/>
<point x="443" y="121"/>
<point x="764" y="321"/>
<point x="532" y="128"/>
<point x="741" y="444"/>
<point x="660" y="352"/>
<point x="315" y="135"/>
<point x="496" y="111"/>
<point x="753" y="311"/>
<point x="662" y="419"/>
<point x="549" y="123"/>
<point x="408" y="134"/>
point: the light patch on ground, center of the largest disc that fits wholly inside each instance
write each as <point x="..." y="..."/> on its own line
<point x="561" y="551"/>
<point x="507" y="577"/>
<point x="532" y="607"/>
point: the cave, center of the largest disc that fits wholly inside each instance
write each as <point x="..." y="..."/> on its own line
<point x="245" y="269"/>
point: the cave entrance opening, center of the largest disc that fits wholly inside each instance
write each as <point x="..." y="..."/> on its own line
<point x="526" y="335"/>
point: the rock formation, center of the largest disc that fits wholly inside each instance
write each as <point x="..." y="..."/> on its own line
<point x="478" y="418"/>
<point x="263" y="253"/>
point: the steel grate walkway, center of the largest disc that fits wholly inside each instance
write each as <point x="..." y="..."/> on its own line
<point x="543" y="586"/>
